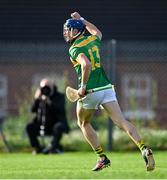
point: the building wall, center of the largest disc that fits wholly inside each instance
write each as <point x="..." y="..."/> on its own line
<point x="157" y="93"/>
<point x="20" y="82"/>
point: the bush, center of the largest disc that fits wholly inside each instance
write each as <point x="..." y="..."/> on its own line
<point x="156" y="139"/>
<point x="74" y="141"/>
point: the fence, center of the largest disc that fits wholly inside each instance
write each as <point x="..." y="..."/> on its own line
<point x="139" y="74"/>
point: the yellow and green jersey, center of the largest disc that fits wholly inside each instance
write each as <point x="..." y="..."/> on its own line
<point x="89" y="45"/>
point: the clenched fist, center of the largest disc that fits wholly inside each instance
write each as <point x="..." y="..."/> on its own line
<point x="75" y="15"/>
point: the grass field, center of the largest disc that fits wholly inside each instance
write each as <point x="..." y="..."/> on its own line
<point x="78" y="165"/>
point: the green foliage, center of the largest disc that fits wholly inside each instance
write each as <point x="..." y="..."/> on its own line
<point x="74" y="141"/>
<point x="14" y="127"/>
<point x="14" y="130"/>
<point x="156" y="139"/>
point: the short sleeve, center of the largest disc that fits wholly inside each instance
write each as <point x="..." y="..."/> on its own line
<point x="74" y="52"/>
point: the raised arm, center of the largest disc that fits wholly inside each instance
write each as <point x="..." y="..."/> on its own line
<point x="91" y="28"/>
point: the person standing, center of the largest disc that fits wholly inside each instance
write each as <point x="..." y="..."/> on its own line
<point x="85" y="57"/>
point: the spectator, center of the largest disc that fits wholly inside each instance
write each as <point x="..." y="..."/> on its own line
<point x="50" y="118"/>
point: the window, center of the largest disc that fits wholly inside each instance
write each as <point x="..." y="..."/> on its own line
<point x="137" y="96"/>
<point x="3" y="96"/>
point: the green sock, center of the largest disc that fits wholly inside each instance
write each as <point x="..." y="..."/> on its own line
<point x="99" y="151"/>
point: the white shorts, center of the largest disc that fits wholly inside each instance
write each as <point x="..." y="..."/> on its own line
<point x="96" y="99"/>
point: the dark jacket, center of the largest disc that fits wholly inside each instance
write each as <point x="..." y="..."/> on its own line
<point x="51" y="110"/>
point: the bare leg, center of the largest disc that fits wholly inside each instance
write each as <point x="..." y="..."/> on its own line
<point x="115" y="114"/>
<point x="84" y="116"/>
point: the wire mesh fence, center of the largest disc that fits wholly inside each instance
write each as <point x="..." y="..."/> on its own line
<point x="139" y="68"/>
<point x="141" y="74"/>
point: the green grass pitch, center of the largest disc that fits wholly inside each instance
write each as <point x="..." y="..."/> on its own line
<point x="77" y="165"/>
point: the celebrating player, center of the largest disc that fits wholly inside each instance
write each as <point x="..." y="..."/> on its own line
<point x="84" y="54"/>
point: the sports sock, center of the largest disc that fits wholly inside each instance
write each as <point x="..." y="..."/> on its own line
<point x="99" y="151"/>
<point x="141" y="145"/>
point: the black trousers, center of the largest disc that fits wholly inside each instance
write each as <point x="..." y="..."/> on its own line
<point x="33" y="132"/>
